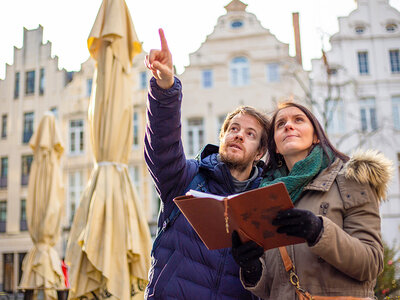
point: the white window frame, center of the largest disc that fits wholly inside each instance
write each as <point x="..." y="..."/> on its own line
<point x="368" y="115"/>
<point x="273" y="72"/>
<point x="396" y="112"/>
<point x="89" y="86"/>
<point x="76" y="137"/>
<point x="240" y="71"/>
<point x="363" y="64"/>
<point x="29" y="119"/>
<point x="76" y="186"/>
<point x="336" y="117"/>
<point x="220" y="121"/>
<point x="195" y="135"/>
<point x="207" y="79"/>
<point x="136" y="127"/>
<point x="134" y="172"/>
<point x="30" y="78"/>
<point x="4" y="120"/>
<point x="394" y="57"/>
<point x="42" y="81"/>
<point x="143" y="80"/>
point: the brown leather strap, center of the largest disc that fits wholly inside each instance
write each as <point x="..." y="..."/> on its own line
<point x="304" y="294"/>
<point x="286" y="259"/>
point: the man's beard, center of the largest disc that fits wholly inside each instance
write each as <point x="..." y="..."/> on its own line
<point x="233" y="164"/>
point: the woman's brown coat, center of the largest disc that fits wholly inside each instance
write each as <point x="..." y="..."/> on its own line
<point x="349" y="254"/>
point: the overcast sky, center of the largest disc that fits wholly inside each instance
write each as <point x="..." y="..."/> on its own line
<point x="67" y="24"/>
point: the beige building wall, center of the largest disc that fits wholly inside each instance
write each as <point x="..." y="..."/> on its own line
<point x="248" y="66"/>
<point x="17" y="98"/>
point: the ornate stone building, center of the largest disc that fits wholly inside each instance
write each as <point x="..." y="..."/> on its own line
<point x="356" y="91"/>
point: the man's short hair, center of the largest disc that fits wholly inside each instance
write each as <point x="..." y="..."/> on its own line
<point x="261" y="117"/>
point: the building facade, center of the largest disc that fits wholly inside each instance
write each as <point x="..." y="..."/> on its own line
<point x="240" y="63"/>
<point x="33" y="85"/>
<point x="356" y="92"/>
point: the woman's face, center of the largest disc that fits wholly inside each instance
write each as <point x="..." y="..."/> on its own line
<point x="294" y="134"/>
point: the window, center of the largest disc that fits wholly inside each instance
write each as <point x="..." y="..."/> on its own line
<point x="54" y="111"/>
<point x="195" y="135"/>
<point x="239" y="69"/>
<point x="21" y="257"/>
<point x="273" y="72"/>
<point x="3" y="172"/>
<point x="89" y="83"/>
<point x="359" y="29"/>
<point x="220" y="122"/>
<point x="68" y="77"/>
<point x="29" y="82"/>
<point x="75" y="189"/>
<point x="22" y="222"/>
<point x="396" y="112"/>
<point x="41" y="82"/>
<point x="16" y="85"/>
<point x="207" y="79"/>
<point x="363" y="63"/>
<point x="335" y="117"/>
<point x="26" y="163"/>
<point x="134" y="172"/>
<point x="3" y="126"/>
<point x="236" y="24"/>
<point x="391" y="27"/>
<point x="28" y="127"/>
<point x="368" y="115"/>
<point x="142" y="80"/>
<point x="394" y="61"/>
<point x="8" y="272"/>
<point x="332" y="71"/>
<point x="76" y="137"/>
<point x="3" y="216"/>
<point x="135" y="129"/>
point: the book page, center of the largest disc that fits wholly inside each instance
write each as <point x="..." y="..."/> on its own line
<point x="199" y="194"/>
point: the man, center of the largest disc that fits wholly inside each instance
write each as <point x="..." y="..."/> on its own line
<point x="182" y="266"/>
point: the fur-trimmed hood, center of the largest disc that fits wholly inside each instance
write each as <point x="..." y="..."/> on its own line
<point x="372" y="167"/>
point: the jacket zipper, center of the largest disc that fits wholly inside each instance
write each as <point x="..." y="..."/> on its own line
<point x="219" y="274"/>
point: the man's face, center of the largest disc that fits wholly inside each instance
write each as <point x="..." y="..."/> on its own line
<point x="240" y="144"/>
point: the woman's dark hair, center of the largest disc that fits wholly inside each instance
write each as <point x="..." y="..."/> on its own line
<point x="274" y="159"/>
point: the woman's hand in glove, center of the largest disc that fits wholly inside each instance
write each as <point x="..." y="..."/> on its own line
<point x="247" y="256"/>
<point x="300" y="223"/>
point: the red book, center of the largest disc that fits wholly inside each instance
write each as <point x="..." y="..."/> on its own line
<point x="250" y="213"/>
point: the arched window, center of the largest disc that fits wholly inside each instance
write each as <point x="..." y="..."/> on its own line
<point x="239" y="70"/>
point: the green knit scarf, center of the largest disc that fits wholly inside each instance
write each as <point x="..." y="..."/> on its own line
<point x="301" y="174"/>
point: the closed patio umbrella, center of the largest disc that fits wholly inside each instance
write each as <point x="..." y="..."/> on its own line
<point x="44" y="208"/>
<point x="109" y="246"/>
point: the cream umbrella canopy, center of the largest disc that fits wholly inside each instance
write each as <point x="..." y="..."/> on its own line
<point x="109" y="245"/>
<point x="44" y="208"/>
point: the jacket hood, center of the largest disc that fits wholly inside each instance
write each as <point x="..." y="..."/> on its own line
<point x="370" y="167"/>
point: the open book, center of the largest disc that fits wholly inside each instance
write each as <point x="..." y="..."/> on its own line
<point x="250" y="213"/>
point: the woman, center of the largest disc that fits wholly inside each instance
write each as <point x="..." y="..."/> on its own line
<point x="336" y="211"/>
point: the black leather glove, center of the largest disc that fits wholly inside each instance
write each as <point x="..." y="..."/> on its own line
<point x="247" y="257"/>
<point x="299" y="222"/>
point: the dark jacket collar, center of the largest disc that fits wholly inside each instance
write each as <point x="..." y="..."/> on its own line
<point x="218" y="172"/>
